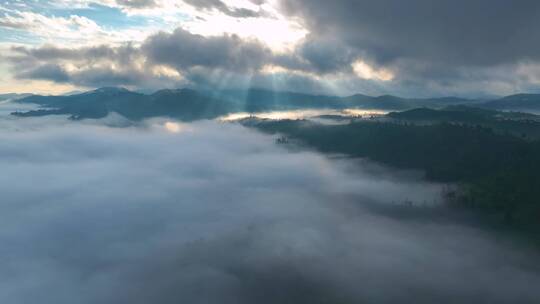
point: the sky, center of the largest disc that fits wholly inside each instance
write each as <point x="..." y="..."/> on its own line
<point x="417" y="48"/>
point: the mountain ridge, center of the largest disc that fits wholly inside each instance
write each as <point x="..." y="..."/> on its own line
<point x="190" y="104"/>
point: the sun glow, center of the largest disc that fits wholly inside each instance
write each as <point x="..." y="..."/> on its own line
<point x="271" y="27"/>
<point x="302" y="114"/>
<point x="366" y="71"/>
<point x="173" y="127"/>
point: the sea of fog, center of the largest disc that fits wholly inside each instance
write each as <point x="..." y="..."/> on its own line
<point x="106" y="211"/>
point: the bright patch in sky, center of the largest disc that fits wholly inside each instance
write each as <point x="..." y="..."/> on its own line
<point x="365" y="71"/>
<point x="271" y="27"/>
<point x="173" y="127"/>
<point x="78" y="22"/>
<point x="86" y="23"/>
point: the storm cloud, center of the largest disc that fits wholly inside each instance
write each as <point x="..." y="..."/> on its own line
<point x="110" y="212"/>
<point x="477" y="32"/>
<point x="435" y="44"/>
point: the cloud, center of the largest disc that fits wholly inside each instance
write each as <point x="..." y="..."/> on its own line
<point x="236" y="9"/>
<point x="50" y="53"/>
<point x="137" y="3"/>
<point x="326" y="56"/>
<point x="92" y="66"/>
<point x="182" y="58"/>
<point x="74" y="30"/>
<point x="168" y="59"/>
<point x="421" y="40"/>
<point x="467" y="34"/>
<point x="48" y="72"/>
<point x="182" y="50"/>
<point x="68" y="27"/>
<point x="224" y="8"/>
<point x="219" y="213"/>
<point x="418" y="49"/>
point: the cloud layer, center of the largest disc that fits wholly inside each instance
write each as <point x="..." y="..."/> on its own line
<point x="473" y="33"/>
<point x="414" y="49"/>
<point x="215" y="213"/>
<point x="441" y="43"/>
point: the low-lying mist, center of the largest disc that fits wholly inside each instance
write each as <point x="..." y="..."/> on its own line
<point x="212" y="212"/>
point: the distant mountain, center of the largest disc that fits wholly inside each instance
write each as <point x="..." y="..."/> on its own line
<point x="448" y="114"/>
<point x="188" y="104"/>
<point x="461" y="113"/>
<point x="182" y="104"/>
<point x="389" y="102"/>
<point x="386" y="102"/>
<point x="74" y="92"/>
<point x="13" y="96"/>
<point x="519" y="124"/>
<point x="518" y="102"/>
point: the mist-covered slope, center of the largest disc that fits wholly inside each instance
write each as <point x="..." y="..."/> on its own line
<point x="518" y="102"/>
<point x="12" y="96"/>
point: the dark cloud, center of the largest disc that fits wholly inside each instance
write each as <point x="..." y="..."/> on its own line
<point x="220" y="214"/>
<point x="49" y="53"/>
<point x="137" y="3"/>
<point x="193" y="56"/>
<point x="279" y="81"/>
<point x="49" y="63"/>
<point x="327" y="56"/>
<point x="45" y="72"/>
<point x="477" y="32"/>
<point x="88" y="66"/>
<point x="100" y="77"/>
<point x="434" y="48"/>
<point x="182" y="50"/>
<point x="224" y="8"/>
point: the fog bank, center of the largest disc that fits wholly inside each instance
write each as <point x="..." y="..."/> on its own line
<point x="210" y="212"/>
